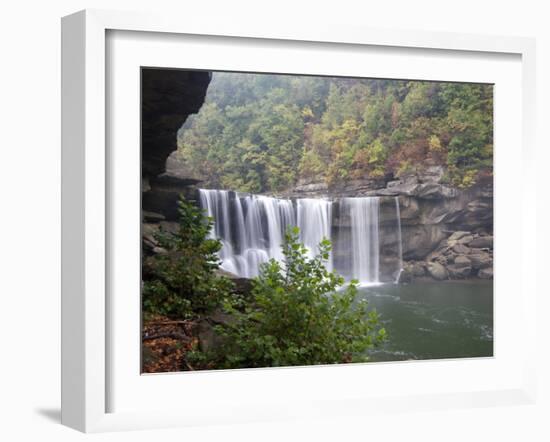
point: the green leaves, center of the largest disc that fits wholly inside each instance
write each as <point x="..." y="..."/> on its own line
<point x="183" y="282"/>
<point x="300" y="314"/>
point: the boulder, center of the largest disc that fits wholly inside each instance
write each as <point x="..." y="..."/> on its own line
<point x="455" y="236"/>
<point x="243" y="285"/>
<point x="482" y="242"/>
<point x="418" y="269"/>
<point x="152" y="217"/>
<point x="148" y="232"/>
<point x="420" y="240"/>
<point x="209" y="340"/>
<point x="486" y="273"/>
<point x="461" y="249"/>
<point x="437" y="271"/>
<point x="480" y="260"/>
<point x="406" y="274"/>
<point x="462" y="260"/>
<point x="442" y="259"/>
<point x="461" y="268"/>
<point x="466" y="239"/>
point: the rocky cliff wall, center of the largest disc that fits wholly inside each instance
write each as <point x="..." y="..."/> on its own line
<point x="446" y="231"/>
<point x="169" y="96"/>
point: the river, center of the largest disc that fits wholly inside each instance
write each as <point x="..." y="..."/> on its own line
<point x="433" y="320"/>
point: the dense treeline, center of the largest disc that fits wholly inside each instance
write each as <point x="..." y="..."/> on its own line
<point x="260" y="133"/>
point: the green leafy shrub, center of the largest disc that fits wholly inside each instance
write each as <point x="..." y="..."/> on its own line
<point x="183" y="281"/>
<point x="298" y="316"/>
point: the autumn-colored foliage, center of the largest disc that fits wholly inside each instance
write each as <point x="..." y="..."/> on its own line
<point x="260" y="133"/>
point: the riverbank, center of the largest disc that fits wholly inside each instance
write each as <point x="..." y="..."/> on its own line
<point x="424" y="320"/>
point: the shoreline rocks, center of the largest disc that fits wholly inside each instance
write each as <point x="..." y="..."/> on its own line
<point x="442" y="225"/>
<point x="455" y="258"/>
<point x="437" y="271"/>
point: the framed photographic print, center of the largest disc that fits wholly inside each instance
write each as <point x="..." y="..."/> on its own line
<point x="285" y="223"/>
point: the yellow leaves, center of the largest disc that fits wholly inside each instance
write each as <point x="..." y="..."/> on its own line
<point x="463" y="179"/>
<point x="307" y="113"/>
<point x="435" y="144"/>
<point x="469" y="179"/>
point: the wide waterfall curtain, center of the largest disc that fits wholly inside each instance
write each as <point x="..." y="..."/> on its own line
<point x="252" y="227"/>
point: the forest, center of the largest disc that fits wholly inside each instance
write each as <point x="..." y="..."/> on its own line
<point x="263" y="133"/>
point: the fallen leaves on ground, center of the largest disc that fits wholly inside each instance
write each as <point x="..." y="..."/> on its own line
<point x="165" y="344"/>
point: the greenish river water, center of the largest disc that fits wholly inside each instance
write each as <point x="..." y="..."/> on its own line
<point x="434" y="320"/>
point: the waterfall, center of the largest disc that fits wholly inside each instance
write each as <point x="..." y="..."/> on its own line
<point x="252" y="227"/>
<point x="216" y="203"/>
<point x="314" y="221"/>
<point x="365" y="247"/>
<point x="399" y="240"/>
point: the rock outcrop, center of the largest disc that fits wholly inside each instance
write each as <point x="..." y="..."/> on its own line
<point x="169" y="96"/>
<point x="446" y="231"/>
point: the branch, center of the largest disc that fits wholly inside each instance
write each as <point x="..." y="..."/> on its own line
<point x="173" y="335"/>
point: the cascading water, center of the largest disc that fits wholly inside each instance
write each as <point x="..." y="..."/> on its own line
<point x="365" y="244"/>
<point x="314" y="221"/>
<point x="399" y="241"/>
<point x="216" y="203"/>
<point x="252" y="227"/>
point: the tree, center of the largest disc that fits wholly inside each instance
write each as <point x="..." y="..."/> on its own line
<point x="299" y="316"/>
<point x="183" y="282"/>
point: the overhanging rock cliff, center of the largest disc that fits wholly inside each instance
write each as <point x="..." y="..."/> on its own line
<point x="169" y="96"/>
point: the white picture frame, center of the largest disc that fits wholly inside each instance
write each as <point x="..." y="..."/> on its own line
<point x="86" y="315"/>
